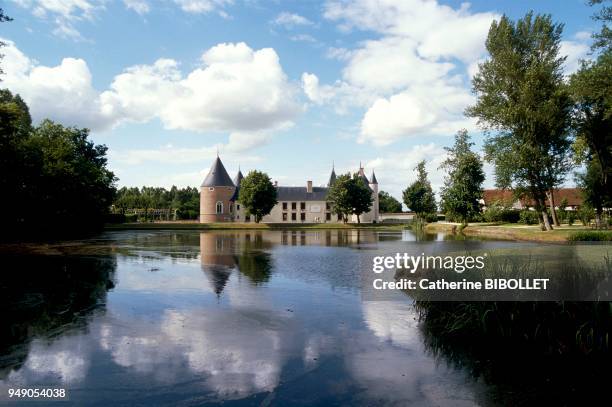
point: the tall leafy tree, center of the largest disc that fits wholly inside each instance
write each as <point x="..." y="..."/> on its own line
<point x="419" y="196"/>
<point x="522" y="97"/>
<point x="591" y="89"/>
<point x="74" y="186"/>
<point x="257" y="194"/>
<point x="360" y="196"/>
<point x="387" y="203"/>
<point x="463" y="184"/>
<point x="350" y="196"/>
<point x="339" y="197"/>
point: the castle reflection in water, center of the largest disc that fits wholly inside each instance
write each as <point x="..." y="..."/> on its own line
<point x="249" y="251"/>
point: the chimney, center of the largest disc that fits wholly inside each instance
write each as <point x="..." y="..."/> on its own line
<point x="275" y="183"/>
<point x="309" y="186"/>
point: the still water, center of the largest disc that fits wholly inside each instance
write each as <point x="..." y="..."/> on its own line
<point x="245" y="318"/>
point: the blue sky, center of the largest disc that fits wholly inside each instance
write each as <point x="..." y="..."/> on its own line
<point x="287" y="87"/>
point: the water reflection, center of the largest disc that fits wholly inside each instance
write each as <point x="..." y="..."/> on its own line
<point x="246" y="316"/>
<point x="43" y="298"/>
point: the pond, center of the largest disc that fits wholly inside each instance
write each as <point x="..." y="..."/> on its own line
<point x="245" y="318"/>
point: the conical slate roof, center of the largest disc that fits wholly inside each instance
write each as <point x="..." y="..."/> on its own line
<point x="217" y="176"/>
<point x="238" y="178"/>
<point x="373" y="180"/>
<point x="332" y="178"/>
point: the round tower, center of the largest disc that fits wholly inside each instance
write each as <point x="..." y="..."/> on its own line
<point x="216" y="194"/>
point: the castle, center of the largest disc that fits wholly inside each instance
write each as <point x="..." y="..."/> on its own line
<point x="308" y="204"/>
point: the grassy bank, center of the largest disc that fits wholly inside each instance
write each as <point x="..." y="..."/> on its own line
<point x="249" y="226"/>
<point x="512" y="231"/>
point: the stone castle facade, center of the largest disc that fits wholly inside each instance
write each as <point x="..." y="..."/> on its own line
<point x="308" y="204"/>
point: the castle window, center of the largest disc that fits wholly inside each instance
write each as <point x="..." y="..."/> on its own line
<point x="284" y="216"/>
<point x="328" y="216"/>
<point x="219" y="207"/>
<point x="327" y="206"/>
<point x="231" y="208"/>
<point x="303" y="206"/>
<point x="284" y="206"/>
<point x="237" y="207"/>
<point x="247" y="218"/>
<point x="302" y="216"/>
<point x="293" y="206"/>
<point x="293" y="216"/>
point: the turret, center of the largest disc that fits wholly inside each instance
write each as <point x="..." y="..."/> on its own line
<point x="215" y="194"/>
<point x="332" y="177"/>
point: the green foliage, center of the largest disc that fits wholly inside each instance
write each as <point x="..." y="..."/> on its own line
<point x="562" y="212"/>
<point x="522" y="96"/>
<point x="591" y="89"/>
<point x="185" y="201"/>
<point x="591" y="236"/>
<point x="499" y="213"/>
<point x="388" y="204"/>
<point x="56" y="178"/>
<point x="463" y="185"/>
<point x="585" y="214"/>
<point x="339" y="197"/>
<point x="571" y="217"/>
<point x="257" y="194"/>
<point x="528" y="217"/>
<point x="350" y="196"/>
<point x="603" y="38"/>
<point x="360" y="196"/>
<point x="419" y="196"/>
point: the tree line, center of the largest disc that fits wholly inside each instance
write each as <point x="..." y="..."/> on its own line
<point x="171" y="204"/>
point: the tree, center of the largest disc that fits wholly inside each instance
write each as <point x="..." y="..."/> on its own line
<point x="419" y="196"/>
<point x="339" y="197"/>
<point x="360" y="196"/>
<point x="74" y="189"/>
<point x="603" y="39"/>
<point x="387" y="203"/>
<point x="257" y="194"/>
<point x="591" y="90"/>
<point x="521" y="95"/>
<point x="462" y="189"/>
<point x="350" y="196"/>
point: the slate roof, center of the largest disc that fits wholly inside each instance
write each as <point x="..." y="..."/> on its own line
<point x="300" y="194"/>
<point x="332" y="178"/>
<point x="217" y="176"/>
<point x="238" y="178"/>
<point x="374" y="181"/>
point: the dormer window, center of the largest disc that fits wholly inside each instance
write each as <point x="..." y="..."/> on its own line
<point x="211" y="189"/>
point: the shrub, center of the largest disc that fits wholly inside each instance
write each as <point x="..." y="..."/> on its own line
<point x="528" y="217"/>
<point x="585" y="214"/>
<point x="591" y="236"/>
<point x="571" y="217"/>
<point x="430" y="217"/>
<point x="497" y="213"/>
<point x="130" y="218"/>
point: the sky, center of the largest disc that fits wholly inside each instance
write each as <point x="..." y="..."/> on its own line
<point x="287" y="87"/>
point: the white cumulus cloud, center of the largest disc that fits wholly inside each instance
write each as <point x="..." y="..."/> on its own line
<point x="412" y="79"/>
<point x="234" y="89"/>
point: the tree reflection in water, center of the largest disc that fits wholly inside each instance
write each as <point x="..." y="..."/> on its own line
<point x="45" y="297"/>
